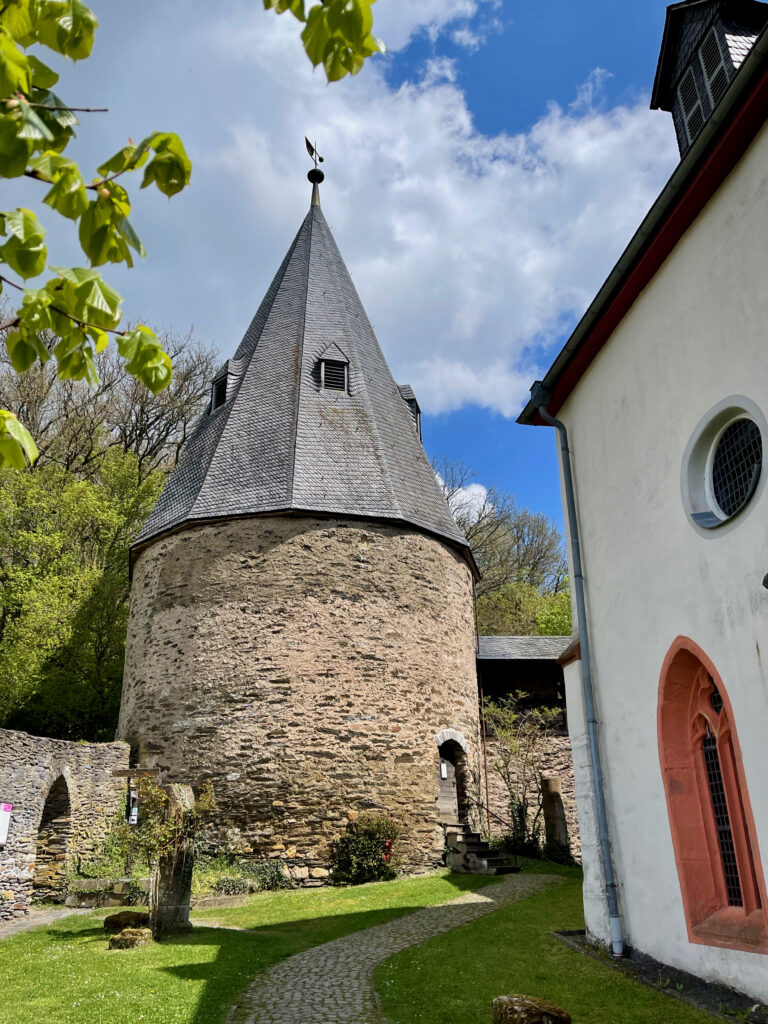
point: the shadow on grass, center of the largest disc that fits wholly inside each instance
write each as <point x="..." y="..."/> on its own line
<point x="242" y="954"/>
<point x="217" y="961"/>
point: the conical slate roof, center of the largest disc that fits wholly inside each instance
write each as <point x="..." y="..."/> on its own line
<point x="282" y="443"/>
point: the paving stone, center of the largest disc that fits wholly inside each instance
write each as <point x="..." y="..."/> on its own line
<point x="333" y="983"/>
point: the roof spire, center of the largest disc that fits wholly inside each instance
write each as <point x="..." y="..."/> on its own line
<point x="315" y="175"/>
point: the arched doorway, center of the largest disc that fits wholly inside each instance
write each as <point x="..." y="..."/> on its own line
<point x="53" y="836"/>
<point x="710" y="816"/>
<point x="452" y="792"/>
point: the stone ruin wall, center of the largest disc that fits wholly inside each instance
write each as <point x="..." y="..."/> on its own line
<point x="52" y="821"/>
<point x="556" y="761"/>
<point x="304" y="665"/>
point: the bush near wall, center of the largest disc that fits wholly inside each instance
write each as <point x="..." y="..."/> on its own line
<point x="366" y="851"/>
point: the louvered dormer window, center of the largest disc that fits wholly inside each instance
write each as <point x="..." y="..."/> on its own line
<point x="713" y="64"/>
<point x="690" y="105"/>
<point x="333" y="375"/>
<point x="219" y="392"/>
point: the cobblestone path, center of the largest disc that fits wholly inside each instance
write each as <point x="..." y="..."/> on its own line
<point x="333" y="983"/>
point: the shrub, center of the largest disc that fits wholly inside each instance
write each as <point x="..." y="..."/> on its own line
<point x="230" y="886"/>
<point x="366" y="851"/>
<point x="269" y="875"/>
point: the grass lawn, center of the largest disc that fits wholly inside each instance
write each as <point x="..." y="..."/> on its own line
<point x="65" y="973"/>
<point x="455" y="977"/>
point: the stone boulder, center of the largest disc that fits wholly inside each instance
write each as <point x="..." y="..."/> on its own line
<point x="525" y="1010"/>
<point x="131" y="938"/>
<point x="126" y="919"/>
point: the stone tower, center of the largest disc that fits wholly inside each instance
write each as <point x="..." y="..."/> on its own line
<point x="301" y="627"/>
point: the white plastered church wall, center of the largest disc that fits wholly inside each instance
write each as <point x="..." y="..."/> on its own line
<point x="696" y="335"/>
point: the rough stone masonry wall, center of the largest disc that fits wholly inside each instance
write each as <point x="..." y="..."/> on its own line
<point x="305" y="666"/>
<point x="556" y="761"/>
<point x="30" y="768"/>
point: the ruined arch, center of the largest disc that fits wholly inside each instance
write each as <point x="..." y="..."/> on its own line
<point x="710" y="816"/>
<point x="53" y="838"/>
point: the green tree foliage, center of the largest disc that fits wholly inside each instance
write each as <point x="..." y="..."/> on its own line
<point x="338" y="34"/>
<point x="75" y="303"/>
<point x="64" y="593"/>
<point x="66" y="526"/>
<point x="520" y="609"/>
<point x="524" y="587"/>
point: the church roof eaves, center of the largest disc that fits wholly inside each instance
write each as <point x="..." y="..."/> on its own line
<point x="728" y="132"/>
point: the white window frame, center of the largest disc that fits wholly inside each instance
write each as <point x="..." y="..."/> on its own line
<point x="697" y="106"/>
<point x="708" y="79"/>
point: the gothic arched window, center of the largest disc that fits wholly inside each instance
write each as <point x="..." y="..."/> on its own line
<point x="710" y="816"/>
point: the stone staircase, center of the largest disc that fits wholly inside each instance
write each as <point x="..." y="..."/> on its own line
<point x="469" y="854"/>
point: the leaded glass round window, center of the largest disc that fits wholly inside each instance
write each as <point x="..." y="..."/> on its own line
<point x="736" y="464"/>
<point x="722" y="470"/>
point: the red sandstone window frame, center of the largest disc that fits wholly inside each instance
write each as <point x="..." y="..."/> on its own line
<point x="687" y="682"/>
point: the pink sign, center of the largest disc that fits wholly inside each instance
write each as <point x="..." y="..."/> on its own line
<point x="5" y="820"/>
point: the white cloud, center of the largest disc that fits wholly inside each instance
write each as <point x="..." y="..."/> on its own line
<point x="470" y="251"/>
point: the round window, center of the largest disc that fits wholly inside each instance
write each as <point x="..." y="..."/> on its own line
<point x="723" y="463"/>
<point x="736" y="465"/>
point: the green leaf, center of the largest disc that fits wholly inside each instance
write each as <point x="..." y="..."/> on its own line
<point x="105" y="232"/>
<point x="145" y="358"/>
<point x="296" y="7"/>
<point x="14" y="67"/>
<point x="316" y="35"/>
<point x="34" y="315"/>
<point x="14" y="151"/>
<point x="121" y="161"/>
<point x="68" y="196"/>
<point x="66" y="26"/>
<point x="74" y="357"/>
<point x="24" y="251"/>
<point x="83" y="294"/>
<point x="43" y="77"/>
<point x="32" y="125"/>
<point x="170" y="169"/>
<point x="24" y="349"/>
<point x="17" y="20"/>
<point x="17" y="446"/>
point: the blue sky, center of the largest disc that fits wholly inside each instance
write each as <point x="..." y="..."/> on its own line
<point x="482" y="179"/>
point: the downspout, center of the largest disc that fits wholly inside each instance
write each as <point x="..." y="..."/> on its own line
<point x="540" y="398"/>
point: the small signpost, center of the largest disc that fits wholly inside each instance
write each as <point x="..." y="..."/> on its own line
<point x="132" y="807"/>
<point x="5" y="821"/>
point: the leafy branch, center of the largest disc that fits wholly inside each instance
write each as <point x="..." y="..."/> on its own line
<point x="337" y="33"/>
<point x="76" y="304"/>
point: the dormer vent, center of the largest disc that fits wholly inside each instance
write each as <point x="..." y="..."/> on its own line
<point x="333" y="375"/>
<point x="219" y="392"/>
<point x="714" y="67"/>
<point x="705" y="43"/>
<point x="690" y="104"/>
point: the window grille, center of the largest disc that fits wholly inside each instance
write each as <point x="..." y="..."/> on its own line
<point x="690" y="104"/>
<point x="333" y="375"/>
<point x="219" y="392"/>
<point x="714" y="67"/>
<point x="715" y="699"/>
<point x="722" y="819"/>
<point x="736" y="466"/>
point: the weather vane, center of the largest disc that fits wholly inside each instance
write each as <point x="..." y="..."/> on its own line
<point x="315" y="175"/>
<point x="313" y="152"/>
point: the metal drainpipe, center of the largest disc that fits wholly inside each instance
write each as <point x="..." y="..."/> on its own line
<point x="541" y="398"/>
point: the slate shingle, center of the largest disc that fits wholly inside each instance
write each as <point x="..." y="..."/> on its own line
<point x="279" y="442"/>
